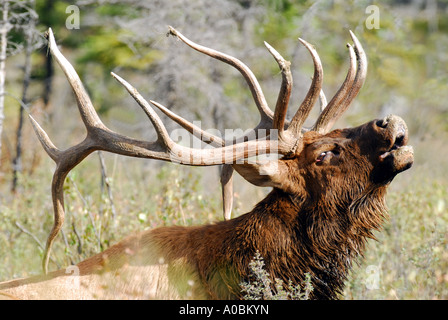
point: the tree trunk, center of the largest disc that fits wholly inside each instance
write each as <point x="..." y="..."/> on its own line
<point x="4" y="28"/>
<point x="17" y="162"/>
<point x="47" y="20"/>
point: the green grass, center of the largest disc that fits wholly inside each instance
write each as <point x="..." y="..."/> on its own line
<point x="143" y="198"/>
<point x="410" y="258"/>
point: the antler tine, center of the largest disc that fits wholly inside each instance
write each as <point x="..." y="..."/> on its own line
<point x="47" y="144"/>
<point x="348" y="91"/>
<point x="266" y="114"/>
<point x="203" y="135"/>
<point x="281" y="106"/>
<point x="325" y="120"/>
<point x="302" y="113"/>
<point x="322" y="100"/>
<point x="255" y="88"/>
<point x="85" y="106"/>
<point x="162" y="134"/>
<point x="278" y="123"/>
<point x="176" y="152"/>
<point x="361" y="71"/>
<point x="227" y="190"/>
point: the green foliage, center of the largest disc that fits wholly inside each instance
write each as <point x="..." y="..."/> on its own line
<point x="116" y="9"/>
<point x="106" y="48"/>
<point x="52" y="13"/>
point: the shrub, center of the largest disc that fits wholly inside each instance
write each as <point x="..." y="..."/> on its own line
<point x="261" y="288"/>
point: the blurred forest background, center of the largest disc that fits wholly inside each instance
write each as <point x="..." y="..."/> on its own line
<point x="109" y="197"/>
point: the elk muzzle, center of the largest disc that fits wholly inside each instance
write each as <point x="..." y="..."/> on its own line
<point x="396" y="156"/>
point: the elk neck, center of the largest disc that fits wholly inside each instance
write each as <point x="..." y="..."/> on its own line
<point x="292" y="238"/>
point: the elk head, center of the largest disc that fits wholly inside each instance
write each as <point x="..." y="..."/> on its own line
<point x="328" y="186"/>
<point x="355" y="159"/>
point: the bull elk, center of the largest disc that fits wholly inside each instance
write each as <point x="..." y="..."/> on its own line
<point x="327" y="198"/>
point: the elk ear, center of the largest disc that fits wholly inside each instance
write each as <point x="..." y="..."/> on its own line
<point x="265" y="174"/>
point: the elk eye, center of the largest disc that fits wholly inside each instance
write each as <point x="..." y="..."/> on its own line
<point x="326" y="155"/>
<point x="322" y="156"/>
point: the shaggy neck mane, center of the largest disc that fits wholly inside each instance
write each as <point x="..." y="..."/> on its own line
<point x="294" y="240"/>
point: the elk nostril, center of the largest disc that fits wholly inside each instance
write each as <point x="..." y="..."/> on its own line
<point x="382" y="123"/>
<point x="399" y="141"/>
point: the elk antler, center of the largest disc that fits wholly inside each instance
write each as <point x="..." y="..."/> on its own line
<point x="285" y="143"/>
<point x="329" y="113"/>
<point x="99" y="137"/>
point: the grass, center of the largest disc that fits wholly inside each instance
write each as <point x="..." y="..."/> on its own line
<point x="409" y="260"/>
<point x="144" y="198"/>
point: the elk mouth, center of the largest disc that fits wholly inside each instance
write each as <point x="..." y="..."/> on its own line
<point x="398" y="156"/>
<point x="399" y="142"/>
